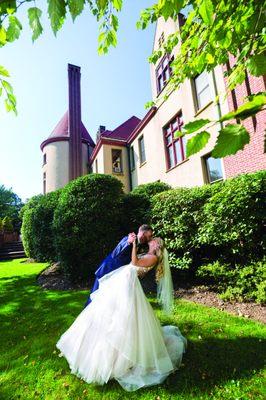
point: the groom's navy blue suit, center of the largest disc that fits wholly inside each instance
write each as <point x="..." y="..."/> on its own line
<point x="121" y="255"/>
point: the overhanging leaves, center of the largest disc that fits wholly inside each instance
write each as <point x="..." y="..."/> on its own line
<point x="197" y="142"/>
<point x="231" y="139"/>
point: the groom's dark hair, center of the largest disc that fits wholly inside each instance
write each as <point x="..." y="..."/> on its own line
<point x="145" y="227"/>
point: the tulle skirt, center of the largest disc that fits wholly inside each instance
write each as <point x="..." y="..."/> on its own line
<point x="118" y="336"/>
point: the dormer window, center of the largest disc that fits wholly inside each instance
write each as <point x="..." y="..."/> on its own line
<point x="163" y="72"/>
<point x="117" y="161"/>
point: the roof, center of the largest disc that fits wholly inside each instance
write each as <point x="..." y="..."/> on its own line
<point x="61" y="132"/>
<point x="123" y="131"/>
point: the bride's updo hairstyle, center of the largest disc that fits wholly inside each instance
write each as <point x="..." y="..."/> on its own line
<point x="159" y="253"/>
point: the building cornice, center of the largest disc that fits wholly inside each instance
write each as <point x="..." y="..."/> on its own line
<point x="58" y="139"/>
<point x="152" y="111"/>
<point x="106" y="140"/>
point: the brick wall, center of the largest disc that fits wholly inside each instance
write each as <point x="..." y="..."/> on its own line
<point x="252" y="158"/>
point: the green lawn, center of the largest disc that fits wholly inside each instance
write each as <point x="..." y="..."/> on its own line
<point x="224" y="359"/>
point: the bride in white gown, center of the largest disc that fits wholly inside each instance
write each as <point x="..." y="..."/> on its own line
<point x="118" y="336"/>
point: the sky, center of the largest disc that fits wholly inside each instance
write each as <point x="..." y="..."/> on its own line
<point x="113" y="87"/>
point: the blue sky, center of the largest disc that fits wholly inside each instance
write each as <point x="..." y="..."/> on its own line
<point x="113" y="87"/>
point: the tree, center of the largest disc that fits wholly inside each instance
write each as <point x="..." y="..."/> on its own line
<point x="10" y="206"/>
<point x="7" y="225"/>
<point x="212" y="30"/>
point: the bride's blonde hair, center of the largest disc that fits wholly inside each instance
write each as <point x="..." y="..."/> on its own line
<point x="159" y="253"/>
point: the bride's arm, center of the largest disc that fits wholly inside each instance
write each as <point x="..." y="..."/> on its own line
<point x="147" y="261"/>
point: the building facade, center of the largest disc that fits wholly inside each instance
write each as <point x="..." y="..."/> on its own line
<point x="146" y="150"/>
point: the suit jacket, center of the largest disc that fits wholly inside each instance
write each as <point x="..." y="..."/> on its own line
<point x="121" y="255"/>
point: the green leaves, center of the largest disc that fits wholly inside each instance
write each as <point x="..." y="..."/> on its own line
<point x="248" y="109"/>
<point x="34" y="15"/>
<point x="197" y="142"/>
<point x="257" y="65"/>
<point x="6" y="88"/>
<point x="14" y="28"/>
<point x="206" y="11"/>
<point x="3" y="71"/>
<point x="231" y="139"/>
<point x="75" y="7"/>
<point x="57" y="14"/>
<point x="194" y="126"/>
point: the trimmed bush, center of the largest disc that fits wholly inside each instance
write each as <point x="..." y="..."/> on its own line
<point x="150" y="189"/>
<point x="219" y="224"/>
<point x="175" y="216"/>
<point x="135" y="212"/>
<point x="136" y="208"/>
<point x="233" y="219"/>
<point x="37" y="227"/>
<point x="86" y="222"/>
<point x="241" y="282"/>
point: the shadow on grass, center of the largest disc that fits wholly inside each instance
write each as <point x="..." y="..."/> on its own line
<point x="32" y="320"/>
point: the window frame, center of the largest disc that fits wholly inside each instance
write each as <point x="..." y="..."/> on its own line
<point x="121" y="161"/>
<point x="207" y="171"/>
<point x="196" y="93"/>
<point x="162" y="73"/>
<point x="178" y="118"/>
<point x="142" y="161"/>
<point x="132" y="158"/>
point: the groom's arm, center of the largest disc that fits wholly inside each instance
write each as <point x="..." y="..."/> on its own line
<point x="122" y="246"/>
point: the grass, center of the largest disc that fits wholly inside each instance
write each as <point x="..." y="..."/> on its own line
<point x="224" y="359"/>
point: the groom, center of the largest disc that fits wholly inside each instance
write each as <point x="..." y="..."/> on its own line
<point x="121" y="255"/>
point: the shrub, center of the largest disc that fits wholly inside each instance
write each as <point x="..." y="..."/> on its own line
<point x="1" y="224"/>
<point x="175" y="216"/>
<point x="150" y="189"/>
<point x="37" y="227"/>
<point x="86" y="222"/>
<point x="135" y="212"/>
<point x="238" y="282"/>
<point x="7" y="225"/>
<point x="233" y="219"/>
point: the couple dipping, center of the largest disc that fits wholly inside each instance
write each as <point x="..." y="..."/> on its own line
<point x="117" y="335"/>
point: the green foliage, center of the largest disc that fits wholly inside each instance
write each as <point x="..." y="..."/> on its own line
<point x="223" y="221"/>
<point x="175" y="216"/>
<point x="237" y="282"/>
<point x="233" y="218"/>
<point x="86" y="222"/>
<point x="37" y="227"/>
<point x="10" y="206"/>
<point x="150" y="189"/>
<point x="1" y="224"/>
<point x="135" y="212"/>
<point x="7" y="225"/>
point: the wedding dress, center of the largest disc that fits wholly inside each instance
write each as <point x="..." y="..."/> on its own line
<point x="118" y="336"/>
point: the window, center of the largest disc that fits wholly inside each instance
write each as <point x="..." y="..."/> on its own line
<point x="117" y="161"/>
<point x="202" y="90"/>
<point x="44" y="159"/>
<point x="44" y="183"/>
<point x="132" y="158"/>
<point x="214" y="169"/>
<point x="175" y="147"/>
<point x="163" y="72"/>
<point x="142" y="155"/>
<point x="96" y="166"/>
<point x="161" y="40"/>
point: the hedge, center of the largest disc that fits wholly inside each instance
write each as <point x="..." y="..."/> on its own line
<point x="86" y="222"/>
<point x="37" y="227"/>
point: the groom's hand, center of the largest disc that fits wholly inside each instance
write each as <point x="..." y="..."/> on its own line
<point x="131" y="237"/>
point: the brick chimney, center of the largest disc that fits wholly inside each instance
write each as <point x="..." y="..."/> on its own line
<point x="74" y="116"/>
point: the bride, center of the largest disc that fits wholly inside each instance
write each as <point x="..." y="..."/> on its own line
<point x="118" y="336"/>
